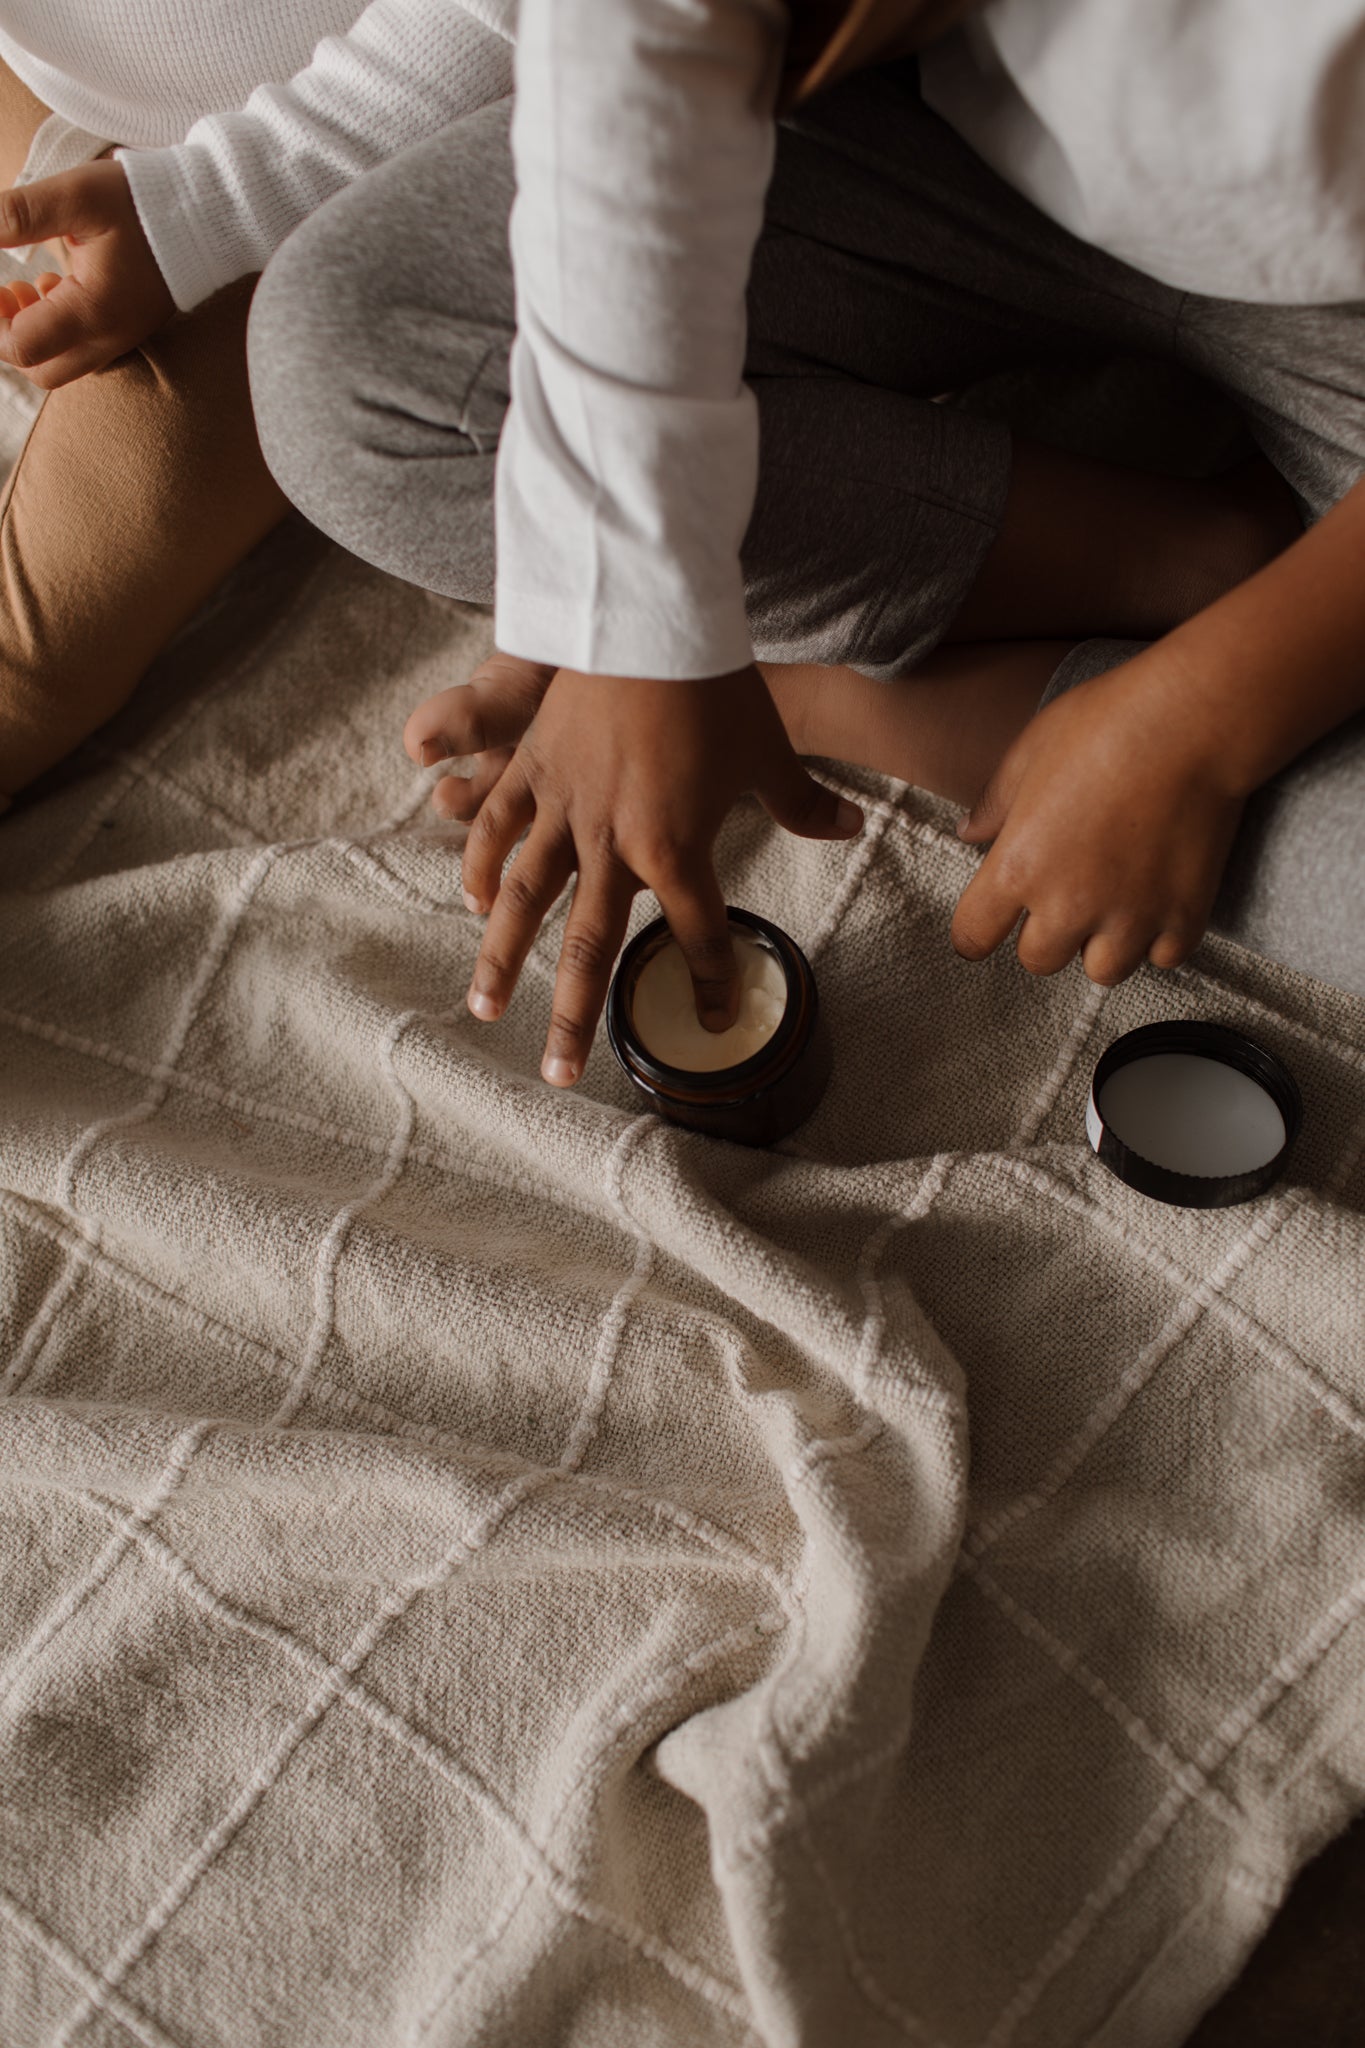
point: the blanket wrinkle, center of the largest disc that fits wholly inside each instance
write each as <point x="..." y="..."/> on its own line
<point x="605" y="1586"/>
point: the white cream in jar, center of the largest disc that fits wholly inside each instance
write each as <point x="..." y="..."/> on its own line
<point x="663" y="1009"/>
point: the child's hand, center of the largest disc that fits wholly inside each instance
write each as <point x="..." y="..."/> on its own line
<point x="113" y="296"/>
<point x="628" y="782"/>
<point x="1112" y="817"/>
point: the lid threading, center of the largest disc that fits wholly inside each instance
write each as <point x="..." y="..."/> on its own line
<point x="1214" y="1042"/>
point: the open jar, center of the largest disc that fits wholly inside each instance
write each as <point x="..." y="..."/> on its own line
<point x="760" y="1097"/>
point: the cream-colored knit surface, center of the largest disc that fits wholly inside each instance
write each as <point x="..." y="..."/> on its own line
<point x="477" y="1566"/>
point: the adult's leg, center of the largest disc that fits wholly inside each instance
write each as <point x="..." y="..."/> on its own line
<point x="137" y="489"/>
<point x="22" y="114"/>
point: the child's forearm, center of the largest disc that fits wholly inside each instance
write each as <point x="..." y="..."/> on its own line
<point x="643" y="139"/>
<point x="216" y="206"/>
<point x="1280" y="660"/>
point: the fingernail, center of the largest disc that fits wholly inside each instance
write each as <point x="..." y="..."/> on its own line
<point x="433" y="751"/>
<point x="560" y="1073"/>
<point x="482" y="1005"/>
<point x="716" y="1020"/>
<point x="848" y="817"/>
<point x="472" y="903"/>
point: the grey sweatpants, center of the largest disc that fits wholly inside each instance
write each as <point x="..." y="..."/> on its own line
<point x="894" y="266"/>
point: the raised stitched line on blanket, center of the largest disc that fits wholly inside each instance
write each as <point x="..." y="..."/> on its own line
<point x="313" y="1126"/>
<point x="388" y="1420"/>
<point x="188" y="799"/>
<point x="435" y="1756"/>
<point x="1196" y="1297"/>
<point x="1070" y="1662"/>
<point x="467" y="1545"/>
<point x="330" y="1250"/>
<point x="769" y="1748"/>
<point x="209" y="966"/>
<point x="51" y="876"/>
<point x="185" y="1446"/>
<point x="1233" y="1730"/>
<point x="65" y="1959"/>
<point x="850" y="882"/>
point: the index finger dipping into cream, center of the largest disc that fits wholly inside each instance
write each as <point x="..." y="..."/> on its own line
<point x="664" y="1009"/>
<point x="755" y="1081"/>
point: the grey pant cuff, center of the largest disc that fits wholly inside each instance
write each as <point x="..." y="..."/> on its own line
<point x="943" y="543"/>
<point x="873" y="516"/>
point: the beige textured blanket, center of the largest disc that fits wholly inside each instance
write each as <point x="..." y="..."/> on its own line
<point x="477" y="1565"/>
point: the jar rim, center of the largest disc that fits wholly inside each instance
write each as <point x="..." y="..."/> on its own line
<point x="747" y="1077"/>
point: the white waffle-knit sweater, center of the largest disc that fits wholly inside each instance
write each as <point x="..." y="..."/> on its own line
<point x="241" y="116"/>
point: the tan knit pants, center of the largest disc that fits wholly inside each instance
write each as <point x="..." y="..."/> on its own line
<point x="138" y="488"/>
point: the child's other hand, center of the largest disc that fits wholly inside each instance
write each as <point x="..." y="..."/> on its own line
<point x="627" y="782"/>
<point x="113" y="295"/>
<point x="1112" y="819"/>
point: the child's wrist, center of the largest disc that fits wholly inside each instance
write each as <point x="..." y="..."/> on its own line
<point x="1225" y="710"/>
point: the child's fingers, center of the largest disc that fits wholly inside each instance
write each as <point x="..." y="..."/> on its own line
<point x="503" y="816"/>
<point x="46" y="328"/>
<point x="987" y="815"/>
<point x="987" y="912"/>
<point x="19" y="293"/>
<point x="697" y="918"/>
<point x="1118" y="950"/>
<point x="1047" y="945"/>
<point x="1173" y="945"/>
<point x="530" y="888"/>
<point x="593" y="935"/>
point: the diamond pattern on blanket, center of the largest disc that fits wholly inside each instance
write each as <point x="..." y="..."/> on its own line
<point x="479" y="1565"/>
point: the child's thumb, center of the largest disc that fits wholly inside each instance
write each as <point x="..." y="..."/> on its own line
<point x="986" y="816"/>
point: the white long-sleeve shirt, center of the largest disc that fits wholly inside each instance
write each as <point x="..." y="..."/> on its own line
<point x="244" y="115"/>
<point x="1219" y="145"/>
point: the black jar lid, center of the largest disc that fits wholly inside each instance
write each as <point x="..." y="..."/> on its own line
<point x="1245" y="1153"/>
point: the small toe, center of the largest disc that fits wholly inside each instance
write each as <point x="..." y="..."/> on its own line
<point x="444" y="728"/>
<point x="493" y="709"/>
<point x="461" y="797"/>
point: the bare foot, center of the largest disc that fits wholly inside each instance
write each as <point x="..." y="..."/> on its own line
<point x="482" y="718"/>
<point x="945" y="728"/>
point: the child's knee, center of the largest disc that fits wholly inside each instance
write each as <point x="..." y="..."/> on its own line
<point x="311" y="354"/>
<point x="375" y="384"/>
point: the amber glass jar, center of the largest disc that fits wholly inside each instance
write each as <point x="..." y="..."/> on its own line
<point x="763" y="1098"/>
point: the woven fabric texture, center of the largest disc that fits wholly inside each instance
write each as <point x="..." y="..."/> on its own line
<point x="480" y="1566"/>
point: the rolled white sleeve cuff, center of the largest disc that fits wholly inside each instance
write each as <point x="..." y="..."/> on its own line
<point x="640" y="580"/>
